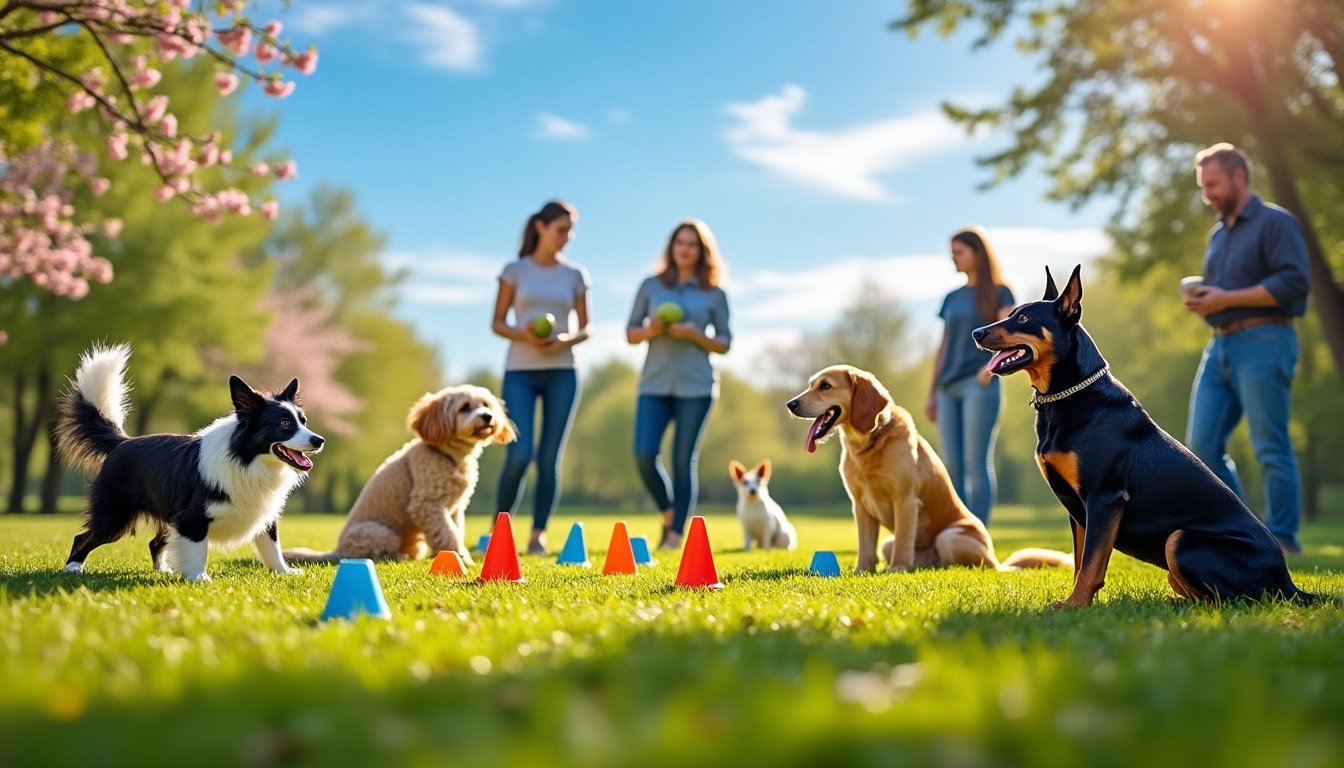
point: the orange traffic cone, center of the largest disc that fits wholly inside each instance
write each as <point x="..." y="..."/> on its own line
<point x="620" y="555"/>
<point x="447" y="563"/>
<point x="501" y="556"/>
<point x="697" y="561"/>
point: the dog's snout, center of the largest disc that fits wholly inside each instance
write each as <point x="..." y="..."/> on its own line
<point x="793" y="405"/>
<point x="978" y="334"/>
<point x="487" y="416"/>
<point x="316" y="441"/>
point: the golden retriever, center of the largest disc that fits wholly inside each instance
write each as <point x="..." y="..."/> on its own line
<point x="413" y="505"/>
<point x="896" y="481"/>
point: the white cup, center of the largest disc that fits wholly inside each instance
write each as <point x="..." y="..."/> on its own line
<point x="1191" y="284"/>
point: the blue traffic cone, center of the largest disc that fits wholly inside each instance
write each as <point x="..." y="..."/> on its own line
<point x="483" y="543"/>
<point x="355" y="590"/>
<point x="824" y="564"/>
<point x="576" y="550"/>
<point x="640" y="544"/>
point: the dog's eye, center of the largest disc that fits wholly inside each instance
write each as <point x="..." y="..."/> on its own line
<point x="286" y="424"/>
<point x="466" y="408"/>
<point x="824" y="385"/>
<point x="1021" y="319"/>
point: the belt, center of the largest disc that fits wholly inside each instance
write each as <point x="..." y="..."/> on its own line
<point x="1251" y="322"/>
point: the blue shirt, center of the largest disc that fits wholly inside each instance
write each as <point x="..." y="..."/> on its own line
<point x="961" y="358"/>
<point x="1265" y="247"/>
<point x="680" y="367"/>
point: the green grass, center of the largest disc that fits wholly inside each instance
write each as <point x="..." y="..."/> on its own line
<point x="952" y="667"/>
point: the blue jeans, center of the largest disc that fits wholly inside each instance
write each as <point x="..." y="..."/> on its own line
<point x="1250" y="372"/>
<point x="968" y="424"/>
<point x="652" y="415"/>
<point x="558" y="389"/>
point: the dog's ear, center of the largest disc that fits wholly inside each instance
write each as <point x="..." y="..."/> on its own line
<point x="291" y="392"/>
<point x="505" y="430"/>
<point x="1051" y="292"/>
<point x="1070" y="302"/>
<point x="428" y="418"/>
<point x="763" y="470"/>
<point x="737" y="469"/>
<point x="246" y="400"/>
<point x="867" y="399"/>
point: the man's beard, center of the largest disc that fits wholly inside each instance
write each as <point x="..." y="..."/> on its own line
<point x="1231" y="204"/>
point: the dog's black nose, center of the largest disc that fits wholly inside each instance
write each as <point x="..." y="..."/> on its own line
<point x="316" y="441"/>
<point x="793" y="405"/>
<point x="978" y="334"/>
<point x="486" y="417"/>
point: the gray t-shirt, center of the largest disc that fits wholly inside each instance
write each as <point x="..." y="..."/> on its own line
<point x="537" y="290"/>
<point x="680" y="367"/>
<point x="961" y="358"/>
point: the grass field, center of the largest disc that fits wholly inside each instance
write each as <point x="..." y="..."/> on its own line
<point x="958" y="667"/>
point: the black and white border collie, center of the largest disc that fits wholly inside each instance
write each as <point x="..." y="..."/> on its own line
<point x="222" y="486"/>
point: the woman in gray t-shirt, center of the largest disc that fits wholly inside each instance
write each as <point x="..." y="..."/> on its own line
<point x="964" y="398"/>
<point x="543" y="289"/>
<point x="672" y="312"/>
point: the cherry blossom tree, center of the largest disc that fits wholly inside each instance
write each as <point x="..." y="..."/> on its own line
<point x="106" y="58"/>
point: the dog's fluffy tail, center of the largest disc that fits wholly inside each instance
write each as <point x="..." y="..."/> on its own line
<point x="90" y="416"/>
<point x="302" y="555"/>
<point x="1033" y="557"/>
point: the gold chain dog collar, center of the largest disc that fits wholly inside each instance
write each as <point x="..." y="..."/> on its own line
<point x="1037" y="398"/>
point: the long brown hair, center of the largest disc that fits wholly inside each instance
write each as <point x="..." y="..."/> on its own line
<point x="552" y="210"/>
<point x="710" y="267"/>
<point x="988" y="277"/>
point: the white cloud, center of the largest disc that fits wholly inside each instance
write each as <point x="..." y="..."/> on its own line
<point x="447" y="40"/>
<point x="449" y="277"/>
<point x="551" y="126"/>
<point x="318" y="20"/>
<point x="846" y="162"/>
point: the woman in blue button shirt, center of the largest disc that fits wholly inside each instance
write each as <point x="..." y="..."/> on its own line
<point x="673" y="311"/>
<point x="964" y="398"/>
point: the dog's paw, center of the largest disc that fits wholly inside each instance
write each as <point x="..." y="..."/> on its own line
<point x="467" y="562"/>
<point x="898" y="568"/>
<point x="290" y="570"/>
<point x="74" y="567"/>
<point x="197" y="577"/>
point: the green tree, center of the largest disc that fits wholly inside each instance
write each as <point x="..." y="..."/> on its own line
<point x="1134" y="88"/>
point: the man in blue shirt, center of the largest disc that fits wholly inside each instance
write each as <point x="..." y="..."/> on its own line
<point x="1255" y="283"/>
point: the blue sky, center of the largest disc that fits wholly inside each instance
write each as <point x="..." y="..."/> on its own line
<point x="807" y="135"/>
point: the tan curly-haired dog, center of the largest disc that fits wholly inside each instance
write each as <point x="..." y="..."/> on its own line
<point x="413" y="505"/>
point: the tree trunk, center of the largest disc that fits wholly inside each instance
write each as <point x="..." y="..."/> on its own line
<point x="51" y="484"/>
<point x="147" y="406"/>
<point x="25" y="432"/>
<point x="20" y="468"/>
<point x="1326" y="294"/>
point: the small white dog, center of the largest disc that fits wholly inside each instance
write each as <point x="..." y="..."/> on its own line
<point x="763" y="521"/>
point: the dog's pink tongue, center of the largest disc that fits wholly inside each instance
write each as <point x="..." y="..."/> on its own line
<point x="998" y="358"/>
<point x="812" y="433"/>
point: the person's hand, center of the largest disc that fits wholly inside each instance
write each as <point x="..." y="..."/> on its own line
<point x="683" y="331"/>
<point x="1206" y="300"/>
<point x="540" y="342"/>
<point x="931" y="407"/>
<point x="657" y="326"/>
<point x="983" y="376"/>
<point x="554" y="344"/>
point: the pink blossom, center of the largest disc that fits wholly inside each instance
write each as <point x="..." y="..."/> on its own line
<point x="112" y="227"/>
<point x="155" y="109"/>
<point x="260" y="169"/>
<point x="265" y="52"/>
<point x="146" y="78"/>
<point x="80" y="101"/>
<point x="274" y="28"/>
<point x="164" y="193"/>
<point x="287" y="170"/>
<point x="269" y="210"/>
<point x="226" y="156"/>
<point x="305" y="62"/>
<point x="225" y="82"/>
<point x="237" y="40"/>
<point x="278" y="88"/>
<point x="116" y="145"/>
<point x="168" y="126"/>
<point x="99" y="186"/>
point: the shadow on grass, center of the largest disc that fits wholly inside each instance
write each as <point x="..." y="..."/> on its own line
<point x="57" y="580"/>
